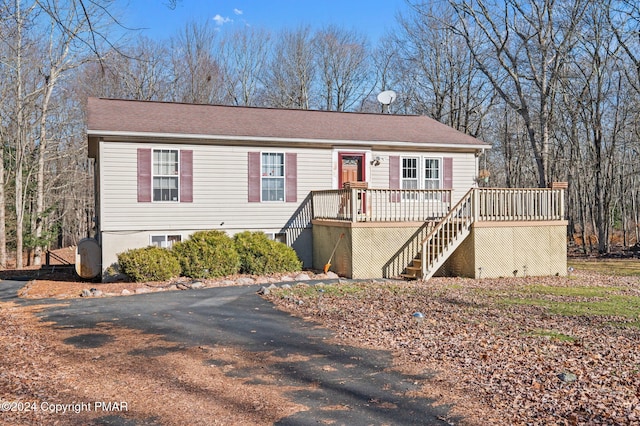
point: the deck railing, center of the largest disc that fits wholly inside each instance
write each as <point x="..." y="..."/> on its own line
<point x="381" y="205"/>
<point x="509" y="204"/>
<point x="447" y="235"/>
<point x="404" y="205"/>
<point x="487" y="204"/>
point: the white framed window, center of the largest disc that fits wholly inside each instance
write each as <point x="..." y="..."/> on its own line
<point x="272" y="176"/>
<point x="432" y="173"/>
<point x="421" y="173"/>
<point x="280" y="237"/>
<point x="410" y="173"/>
<point x="165" y="241"/>
<point x="166" y="175"/>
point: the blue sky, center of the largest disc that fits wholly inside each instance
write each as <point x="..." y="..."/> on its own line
<point x="371" y="17"/>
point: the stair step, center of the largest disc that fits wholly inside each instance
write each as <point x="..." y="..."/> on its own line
<point x="445" y="236"/>
<point x="409" y="277"/>
<point x="412" y="272"/>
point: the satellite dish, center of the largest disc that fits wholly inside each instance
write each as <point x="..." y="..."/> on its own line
<point x="386" y="98"/>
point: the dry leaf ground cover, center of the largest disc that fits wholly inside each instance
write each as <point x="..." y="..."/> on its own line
<point x="511" y="351"/>
<point x="499" y="347"/>
<point x="54" y="376"/>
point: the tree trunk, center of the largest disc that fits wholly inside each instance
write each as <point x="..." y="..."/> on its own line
<point x="3" y="217"/>
<point x="42" y="148"/>
<point x="20" y="142"/>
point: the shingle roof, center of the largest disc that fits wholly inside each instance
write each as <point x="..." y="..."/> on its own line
<point x="139" y="117"/>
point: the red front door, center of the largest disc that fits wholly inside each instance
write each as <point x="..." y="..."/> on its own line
<point x="350" y="168"/>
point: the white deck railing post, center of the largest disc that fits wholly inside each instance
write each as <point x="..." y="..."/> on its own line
<point x="354" y="205"/>
<point x="475" y="205"/>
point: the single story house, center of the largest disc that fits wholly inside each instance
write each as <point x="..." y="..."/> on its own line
<point x="389" y="191"/>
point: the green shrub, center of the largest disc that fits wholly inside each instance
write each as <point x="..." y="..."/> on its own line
<point x="149" y="264"/>
<point x="207" y="254"/>
<point x="261" y="255"/>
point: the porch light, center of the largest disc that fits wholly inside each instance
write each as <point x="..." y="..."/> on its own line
<point x="376" y="161"/>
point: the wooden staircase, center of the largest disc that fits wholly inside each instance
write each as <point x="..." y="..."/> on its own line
<point x="443" y="239"/>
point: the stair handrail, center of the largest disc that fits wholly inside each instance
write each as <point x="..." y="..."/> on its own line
<point x="469" y="197"/>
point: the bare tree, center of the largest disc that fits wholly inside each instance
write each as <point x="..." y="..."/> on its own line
<point x="624" y="19"/>
<point x="66" y="25"/>
<point x="289" y="77"/>
<point x="44" y="40"/>
<point x="436" y="71"/>
<point x="139" y="75"/>
<point x="197" y="77"/>
<point x="521" y="46"/>
<point x="594" y="99"/>
<point x="4" y="134"/>
<point x="22" y="99"/>
<point x="3" y="217"/>
<point x="344" y="68"/>
<point x="243" y="57"/>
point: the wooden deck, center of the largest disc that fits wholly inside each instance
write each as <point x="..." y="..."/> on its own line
<point x="381" y="205"/>
<point x="440" y="227"/>
<point x="398" y="205"/>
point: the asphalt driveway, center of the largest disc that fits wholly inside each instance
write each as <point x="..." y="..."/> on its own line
<point x="237" y="316"/>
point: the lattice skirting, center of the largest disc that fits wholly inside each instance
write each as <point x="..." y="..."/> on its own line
<point x="505" y="251"/>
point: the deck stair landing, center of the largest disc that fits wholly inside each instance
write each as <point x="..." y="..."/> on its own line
<point x="443" y="239"/>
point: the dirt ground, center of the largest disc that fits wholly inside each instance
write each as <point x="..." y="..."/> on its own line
<point x="491" y="370"/>
<point x="46" y="380"/>
<point x="503" y="354"/>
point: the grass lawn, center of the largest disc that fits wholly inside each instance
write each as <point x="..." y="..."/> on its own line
<point x="621" y="267"/>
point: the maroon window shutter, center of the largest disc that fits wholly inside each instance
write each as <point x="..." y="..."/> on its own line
<point x="394" y="172"/>
<point x="447" y="173"/>
<point x="186" y="176"/>
<point x="144" y="175"/>
<point x="394" y="177"/>
<point x="291" y="180"/>
<point x="254" y="177"/>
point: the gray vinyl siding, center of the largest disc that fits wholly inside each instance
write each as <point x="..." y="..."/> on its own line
<point x="220" y="190"/>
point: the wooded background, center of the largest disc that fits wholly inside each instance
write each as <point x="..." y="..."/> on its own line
<point x="554" y="85"/>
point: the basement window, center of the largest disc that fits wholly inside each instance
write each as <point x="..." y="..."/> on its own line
<point x="165" y="241"/>
<point x="280" y="237"/>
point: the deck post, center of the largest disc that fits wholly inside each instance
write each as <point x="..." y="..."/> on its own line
<point x="475" y="205"/>
<point x="423" y="258"/>
<point x="354" y="205"/>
